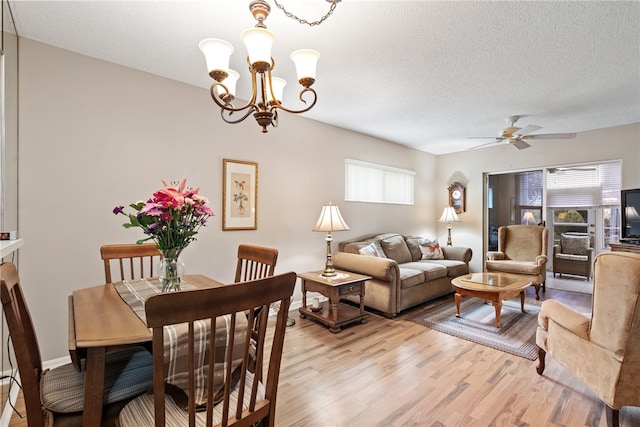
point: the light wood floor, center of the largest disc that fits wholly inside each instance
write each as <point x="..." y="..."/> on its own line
<point x="397" y="373"/>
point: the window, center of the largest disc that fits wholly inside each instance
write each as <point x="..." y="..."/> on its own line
<point x="370" y="182"/>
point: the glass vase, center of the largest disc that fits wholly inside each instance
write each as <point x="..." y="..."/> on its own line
<point x="170" y="270"/>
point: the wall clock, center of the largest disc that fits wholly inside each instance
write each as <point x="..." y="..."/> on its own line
<point x="456" y="197"/>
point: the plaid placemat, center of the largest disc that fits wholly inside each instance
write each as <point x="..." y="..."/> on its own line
<point x="135" y="294"/>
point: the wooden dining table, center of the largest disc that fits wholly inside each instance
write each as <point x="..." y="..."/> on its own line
<point x="99" y="320"/>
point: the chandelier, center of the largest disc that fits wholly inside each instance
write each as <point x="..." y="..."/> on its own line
<point x="266" y="90"/>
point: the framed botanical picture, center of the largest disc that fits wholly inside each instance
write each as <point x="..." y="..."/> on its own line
<point x="239" y="195"/>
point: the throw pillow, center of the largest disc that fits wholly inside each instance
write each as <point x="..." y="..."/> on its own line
<point x="371" y="250"/>
<point x="431" y="249"/>
<point x="574" y="245"/>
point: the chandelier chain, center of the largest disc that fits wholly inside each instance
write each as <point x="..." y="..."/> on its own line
<point x="334" y="3"/>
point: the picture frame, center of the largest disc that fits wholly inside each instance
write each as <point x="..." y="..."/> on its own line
<point x="239" y="195"/>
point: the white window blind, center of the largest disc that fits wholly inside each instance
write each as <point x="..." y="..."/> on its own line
<point x="370" y="182"/>
<point x="585" y="186"/>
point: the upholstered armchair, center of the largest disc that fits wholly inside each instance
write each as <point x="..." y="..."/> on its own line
<point x="601" y="349"/>
<point x="573" y="255"/>
<point x="522" y="250"/>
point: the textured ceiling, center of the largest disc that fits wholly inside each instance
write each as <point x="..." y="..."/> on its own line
<point x="427" y="74"/>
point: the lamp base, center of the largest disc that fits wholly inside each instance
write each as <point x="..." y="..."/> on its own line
<point x="329" y="272"/>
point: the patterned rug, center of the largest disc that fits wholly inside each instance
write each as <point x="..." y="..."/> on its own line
<point x="477" y="324"/>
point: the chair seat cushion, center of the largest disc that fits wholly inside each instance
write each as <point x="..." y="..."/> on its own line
<point x="516" y="267"/>
<point x="140" y="411"/>
<point x="128" y="373"/>
<point x="572" y="257"/>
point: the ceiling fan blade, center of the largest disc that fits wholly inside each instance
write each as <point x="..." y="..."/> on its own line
<point x="520" y="144"/>
<point x="485" y="137"/>
<point x="553" y="136"/>
<point x="527" y="130"/>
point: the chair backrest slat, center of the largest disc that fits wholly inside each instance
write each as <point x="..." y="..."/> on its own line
<point x="130" y="260"/>
<point x="209" y="304"/>
<point x="255" y="262"/>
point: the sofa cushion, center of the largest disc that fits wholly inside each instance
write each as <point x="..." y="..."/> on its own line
<point x="354" y="247"/>
<point x="371" y="250"/>
<point x="454" y="268"/>
<point x="431" y="249"/>
<point x="413" y="243"/>
<point x="430" y="269"/>
<point x="574" y="245"/>
<point x="394" y="247"/>
<point x="410" y="277"/>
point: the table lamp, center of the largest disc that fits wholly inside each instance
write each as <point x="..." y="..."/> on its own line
<point x="330" y="220"/>
<point x="528" y="218"/>
<point x="449" y="216"/>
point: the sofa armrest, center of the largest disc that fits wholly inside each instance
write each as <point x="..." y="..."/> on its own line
<point x="556" y="250"/>
<point x="570" y="320"/>
<point x="541" y="259"/>
<point x="378" y="268"/>
<point x="457" y="253"/>
<point x="495" y="255"/>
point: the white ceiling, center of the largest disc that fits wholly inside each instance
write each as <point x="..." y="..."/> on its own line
<point x="427" y="74"/>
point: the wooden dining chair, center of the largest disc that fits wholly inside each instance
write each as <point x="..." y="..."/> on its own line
<point x="253" y="398"/>
<point x="255" y="262"/>
<point x="56" y="396"/>
<point x="129" y="261"/>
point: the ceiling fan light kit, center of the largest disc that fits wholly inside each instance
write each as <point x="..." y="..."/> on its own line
<point x="266" y="90"/>
<point x="518" y="137"/>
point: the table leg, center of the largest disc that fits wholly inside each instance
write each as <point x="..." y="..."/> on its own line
<point x="304" y="299"/>
<point x="522" y="301"/>
<point x="498" y="307"/>
<point x="335" y="300"/>
<point x="94" y="387"/>
<point x="458" y="297"/>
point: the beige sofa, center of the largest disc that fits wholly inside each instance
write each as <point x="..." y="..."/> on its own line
<point x="401" y="278"/>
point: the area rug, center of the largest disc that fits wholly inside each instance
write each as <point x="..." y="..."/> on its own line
<point x="477" y="324"/>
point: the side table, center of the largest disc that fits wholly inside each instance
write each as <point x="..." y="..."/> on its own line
<point x="333" y="313"/>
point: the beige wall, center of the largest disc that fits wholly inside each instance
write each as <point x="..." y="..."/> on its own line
<point x="94" y="135"/>
<point x="468" y="167"/>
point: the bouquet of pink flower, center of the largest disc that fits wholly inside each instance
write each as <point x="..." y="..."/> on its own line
<point x="172" y="217"/>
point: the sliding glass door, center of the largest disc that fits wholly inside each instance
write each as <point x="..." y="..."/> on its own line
<point x="582" y="198"/>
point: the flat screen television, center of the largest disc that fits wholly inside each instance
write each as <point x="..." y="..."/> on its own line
<point x="630" y="201"/>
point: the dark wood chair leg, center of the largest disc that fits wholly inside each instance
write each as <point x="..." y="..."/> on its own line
<point x="537" y="287"/>
<point x="541" y="356"/>
<point x="613" y="417"/>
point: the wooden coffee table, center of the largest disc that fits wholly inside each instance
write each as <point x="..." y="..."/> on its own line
<point x="493" y="287"/>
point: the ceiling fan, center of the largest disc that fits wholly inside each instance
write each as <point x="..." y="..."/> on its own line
<point x="518" y="137"/>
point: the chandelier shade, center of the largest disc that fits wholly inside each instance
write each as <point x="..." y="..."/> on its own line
<point x="266" y="90"/>
<point x="258" y="42"/>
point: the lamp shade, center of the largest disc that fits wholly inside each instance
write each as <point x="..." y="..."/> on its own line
<point x="258" y="42"/>
<point x="277" y="84"/>
<point x="305" y="60"/>
<point x="631" y="213"/>
<point x="216" y="53"/>
<point x="330" y="220"/>
<point x="230" y="83"/>
<point x="528" y="218"/>
<point x="449" y="215"/>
